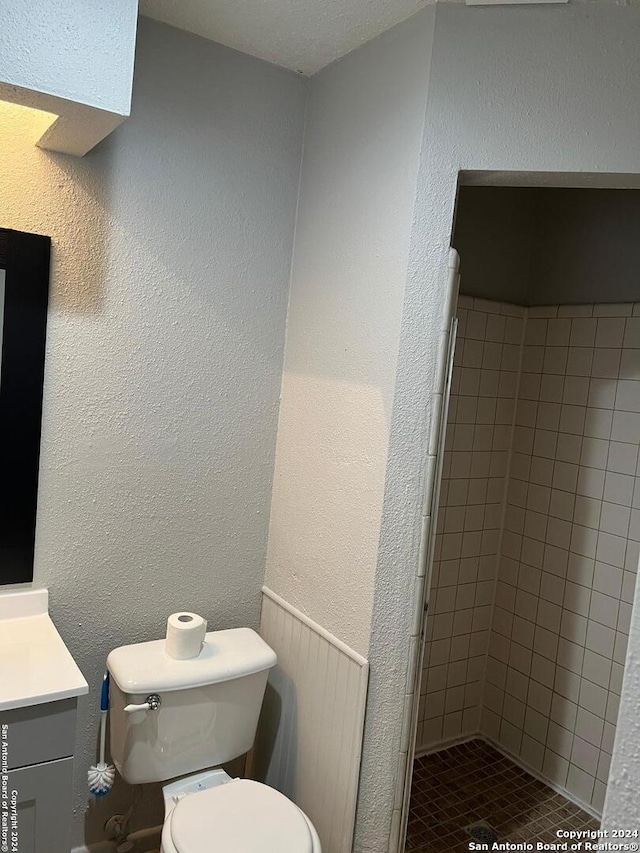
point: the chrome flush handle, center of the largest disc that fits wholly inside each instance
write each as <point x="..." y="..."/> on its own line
<point x="152" y="703"/>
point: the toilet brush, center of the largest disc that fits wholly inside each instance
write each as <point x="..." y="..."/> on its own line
<point x="101" y="776"/>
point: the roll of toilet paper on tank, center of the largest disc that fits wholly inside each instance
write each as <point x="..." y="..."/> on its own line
<point x="185" y="635"/>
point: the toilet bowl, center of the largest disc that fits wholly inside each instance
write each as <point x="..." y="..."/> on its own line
<point x="213" y="813"/>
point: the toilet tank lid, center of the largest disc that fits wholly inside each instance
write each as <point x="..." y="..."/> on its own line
<point x="225" y="655"/>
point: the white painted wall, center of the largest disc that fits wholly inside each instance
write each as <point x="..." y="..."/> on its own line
<point x="71" y="49"/>
<point x="363" y="137"/>
<point x="171" y="255"/>
<point x="551" y="89"/>
<point x="74" y="61"/>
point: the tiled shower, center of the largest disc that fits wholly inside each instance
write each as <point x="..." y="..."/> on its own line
<point x="538" y="539"/>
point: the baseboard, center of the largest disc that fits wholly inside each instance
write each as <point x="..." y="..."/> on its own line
<point x="446" y="744"/>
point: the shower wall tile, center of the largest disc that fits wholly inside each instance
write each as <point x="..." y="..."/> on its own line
<point x="478" y="441"/>
<point x="538" y="537"/>
<point x="569" y="547"/>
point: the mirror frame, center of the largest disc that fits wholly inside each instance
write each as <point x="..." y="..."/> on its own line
<point x="25" y="259"/>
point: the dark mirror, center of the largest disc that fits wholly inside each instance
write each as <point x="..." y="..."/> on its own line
<point x="24" y="296"/>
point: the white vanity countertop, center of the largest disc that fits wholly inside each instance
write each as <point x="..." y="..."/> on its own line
<point x="35" y="664"/>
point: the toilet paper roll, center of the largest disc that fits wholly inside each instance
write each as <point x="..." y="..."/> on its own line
<point x="185" y="635"/>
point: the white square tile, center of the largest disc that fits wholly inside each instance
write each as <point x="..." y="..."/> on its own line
<point x="559" y="532"/>
<point x="552" y="387"/>
<point x="573" y="627"/>
<point x="596" y="668"/>
<point x="611" y="549"/>
<point x="591" y="482"/>
<point x="565" y="476"/>
<point x="602" y="392"/>
<point x="583" y="332"/>
<point x="608" y="737"/>
<point x="510" y="737"/>
<point x="575" y="310"/>
<point x="551" y="587"/>
<point x="562" y="504"/>
<point x="618" y="488"/>
<point x="620" y="648"/>
<point x="604" y="764"/>
<point x="606" y="363"/>
<point x="555" y="768"/>
<point x="579" y="361"/>
<point x="532" y="752"/>
<point x="555" y="360"/>
<point x="623" y="457"/>
<point x="613" y="708"/>
<point x="549" y="615"/>
<point x="572" y="419"/>
<point x="593" y="698"/>
<point x="610" y="332"/>
<point x="570" y="655"/>
<point x="577" y="598"/>
<point x="536" y="725"/>
<point x="632" y="333"/>
<point x="624" y="617"/>
<point x="625" y="427"/>
<point x="541" y="470"/>
<point x="576" y="390"/>
<point x="559" y="739"/>
<point x="607" y="579"/>
<point x="589" y="727"/>
<point x="452" y="725"/>
<point x="555" y="560"/>
<point x="615" y="519"/>
<point x="613" y="309"/>
<point x="580" y="783"/>
<point x="532" y="358"/>
<point x="587" y="511"/>
<point x="563" y="712"/>
<point x="545" y="643"/>
<point x="585" y="755"/>
<point x="598" y="423"/>
<point x="594" y="452"/>
<point x="567" y="684"/>
<point x="542" y="669"/>
<point x="569" y="446"/>
<point x="628" y="586"/>
<point x="628" y="395"/>
<point x="580" y="569"/>
<point x="545" y="441"/>
<point x="584" y="541"/>
<point x="535" y="331"/>
<point x="630" y="364"/>
<point x="558" y="332"/>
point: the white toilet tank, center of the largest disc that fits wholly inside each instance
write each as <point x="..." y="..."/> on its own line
<point x="209" y="705"/>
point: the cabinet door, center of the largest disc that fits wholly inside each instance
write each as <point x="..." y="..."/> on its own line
<point x="43" y="794"/>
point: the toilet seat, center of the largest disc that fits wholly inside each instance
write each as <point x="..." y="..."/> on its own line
<point x="240" y="817"/>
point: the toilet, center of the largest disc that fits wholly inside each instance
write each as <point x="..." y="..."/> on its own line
<point x="177" y="721"/>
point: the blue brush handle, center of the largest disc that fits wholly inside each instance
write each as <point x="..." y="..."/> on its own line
<point x="104" y="696"/>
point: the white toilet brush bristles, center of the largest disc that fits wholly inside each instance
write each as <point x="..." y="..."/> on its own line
<point x="102" y="775"/>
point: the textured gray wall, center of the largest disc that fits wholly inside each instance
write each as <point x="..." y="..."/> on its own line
<point x="537" y="245"/>
<point x="362" y="146"/>
<point x="171" y="254"/>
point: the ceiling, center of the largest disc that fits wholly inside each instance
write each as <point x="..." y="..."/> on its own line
<point x="303" y="35"/>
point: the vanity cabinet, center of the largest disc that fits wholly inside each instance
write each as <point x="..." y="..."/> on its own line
<point x="39" y="760"/>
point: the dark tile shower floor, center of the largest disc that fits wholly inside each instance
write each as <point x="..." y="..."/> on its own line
<point x="473" y="782"/>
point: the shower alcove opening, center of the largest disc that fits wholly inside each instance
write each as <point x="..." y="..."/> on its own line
<point x="538" y="531"/>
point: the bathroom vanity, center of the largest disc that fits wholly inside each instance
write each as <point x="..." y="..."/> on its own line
<point x="39" y="688"/>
